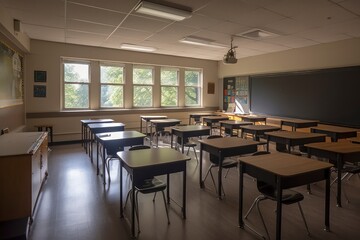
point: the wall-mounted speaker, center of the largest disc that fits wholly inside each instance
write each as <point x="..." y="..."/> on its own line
<point x="17" y="25"/>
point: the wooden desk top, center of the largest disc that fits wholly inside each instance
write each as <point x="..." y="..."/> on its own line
<point x="148" y="117"/>
<point x="151" y="157"/>
<point x="261" y="127"/>
<point x="119" y="135"/>
<point x="298" y="121"/>
<point x="344" y="147"/>
<point x="235" y="122"/>
<point x="168" y="120"/>
<point x="190" y="128"/>
<point x="354" y="139"/>
<point x="295" y="135"/>
<point x="87" y="121"/>
<point x="228" y="142"/>
<point x="285" y="165"/>
<point x="216" y="118"/>
<point x="335" y="129"/>
<point x="105" y="125"/>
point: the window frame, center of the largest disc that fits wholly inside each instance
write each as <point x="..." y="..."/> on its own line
<point x="64" y="83"/>
<point x="112" y="64"/>
<point x="168" y="85"/>
<point x="143" y="85"/>
<point x="199" y="86"/>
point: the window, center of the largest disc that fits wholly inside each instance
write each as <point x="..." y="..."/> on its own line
<point x="169" y="81"/>
<point x="143" y="86"/>
<point x="192" y="88"/>
<point x="112" y="86"/>
<point x="76" y="85"/>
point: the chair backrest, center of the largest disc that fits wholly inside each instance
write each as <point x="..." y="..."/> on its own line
<point x="139" y="147"/>
<point x="264" y="187"/>
<point x="214" y="159"/>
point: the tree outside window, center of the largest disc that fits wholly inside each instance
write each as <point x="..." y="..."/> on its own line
<point x="192" y="88"/>
<point x="143" y="86"/>
<point x="76" y="85"/>
<point x="169" y="87"/>
<point x="112" y="86"/>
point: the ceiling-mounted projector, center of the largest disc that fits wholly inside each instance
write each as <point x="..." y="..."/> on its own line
<point x="230" y="56"/>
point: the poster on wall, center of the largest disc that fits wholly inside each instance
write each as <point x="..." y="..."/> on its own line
<point x="11" y="77"/>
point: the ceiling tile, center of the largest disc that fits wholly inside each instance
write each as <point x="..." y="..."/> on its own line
<point x="143" y="24"/>
<point x="321" y="36"/>
<point x="114" y="5"/>
<point x="89" y="27"/>
<point x="45" y="33"/>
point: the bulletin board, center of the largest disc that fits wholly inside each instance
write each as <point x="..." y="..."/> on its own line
<point x="11" y="76"/>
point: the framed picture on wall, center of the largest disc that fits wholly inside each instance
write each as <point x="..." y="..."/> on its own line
<point x="40" y="91"/>
<point x="211" y="88"/>
<point x="39" y="76"/>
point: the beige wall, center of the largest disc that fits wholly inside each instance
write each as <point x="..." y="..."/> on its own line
<point x="46" y="56"/>
<point x="338" y="54"/>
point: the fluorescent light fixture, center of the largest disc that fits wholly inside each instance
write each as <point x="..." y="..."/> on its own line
<point x="162" y="11"/>
<point x="202" y="42"/>
<point x="134" y="47"/>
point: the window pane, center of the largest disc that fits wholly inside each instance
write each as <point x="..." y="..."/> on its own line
<point x="192" y="96"/>
<point x="76" y="96"/>
<point x="169" y="96"/>
<point x="142" y="96"/>
<point x="112" y="74"/>
<point x="192" y="78"/>
<point x="112" y="96"/>
<point x="142" y="76"/>
<point x="169" y="77"/>
<point x="76" y="72"/>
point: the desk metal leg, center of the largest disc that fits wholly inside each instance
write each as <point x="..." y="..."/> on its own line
<point x="168" y="188"/>
<point x="339" y="167"/>
<point x="121" y="191"/>
<point x="200" y="167"/>
<point x="133" y="202"/>
<point x="103" y="165"/>
<point x="97" y="157"/>
<point x="184" y="193"/>
<point x="327" y="201"/>
<point x="241" y="195"/>
<point x="220" y="175"/>
<point x="141" y="125"/>
<point x="278" y="208"/>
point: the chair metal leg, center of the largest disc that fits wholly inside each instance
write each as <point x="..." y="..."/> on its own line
<point x="262" y="218"/>
<point x="303" y="217"/>
<point x="166" y="208"/>
<point x="137" y="209"/>
<point x="154" y="197"/>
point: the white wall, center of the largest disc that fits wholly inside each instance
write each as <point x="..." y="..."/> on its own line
<point x="338" y="54"/>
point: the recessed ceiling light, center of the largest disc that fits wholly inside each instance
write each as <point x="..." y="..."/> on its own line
<point x="257" y="34"/>
<point x="202" y="42"/>
<point x="134" y="47"/>
<point x="162" y="11"/>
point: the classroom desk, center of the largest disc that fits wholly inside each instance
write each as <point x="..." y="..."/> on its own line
<point x="185" y="132"/>
<point x="84" y="132"/>
<point x="253" y="118"/>
<point x="224" y="147"/>
<point x="197" y="116"/>
<point x="230" y="125"/>
<point x="284" y="171"/>
<point x="96" y="128"/>
<point x="149" y="163"/>
<point x="147" y="120"/>
<point x="214" y="119"/>
<point x="335" y="132"/>
<point x="116" y="139"/>
<point x="298" y="123"/>
<point x="337" y="153"/>
<point x="160" y="124"/>
<point x="291" y="139"/>
<point x="257" y="130"/>
<point x="354" y="140"/>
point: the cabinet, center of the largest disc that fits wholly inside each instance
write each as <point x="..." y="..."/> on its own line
<point x="23" y="170"/>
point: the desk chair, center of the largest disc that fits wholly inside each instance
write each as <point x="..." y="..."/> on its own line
<point x="197" y="121"/>
<point x="187" y="144"/>
<point x="111" y="155"/>
<point x="269" y="192"/>
<point x="145" y="186"/>
<point x="227" y="163"/>
<point x="348" y="171"/>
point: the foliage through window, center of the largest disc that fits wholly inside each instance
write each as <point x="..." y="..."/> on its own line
<point x="143" y="86"/>
<point x="169" y="81"/>
<point x="76" y="85"/>
<point x="192" y="88"/>
<point x="112" y="86"/>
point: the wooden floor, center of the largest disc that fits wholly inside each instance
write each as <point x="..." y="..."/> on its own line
<point x="74" y="205"/>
